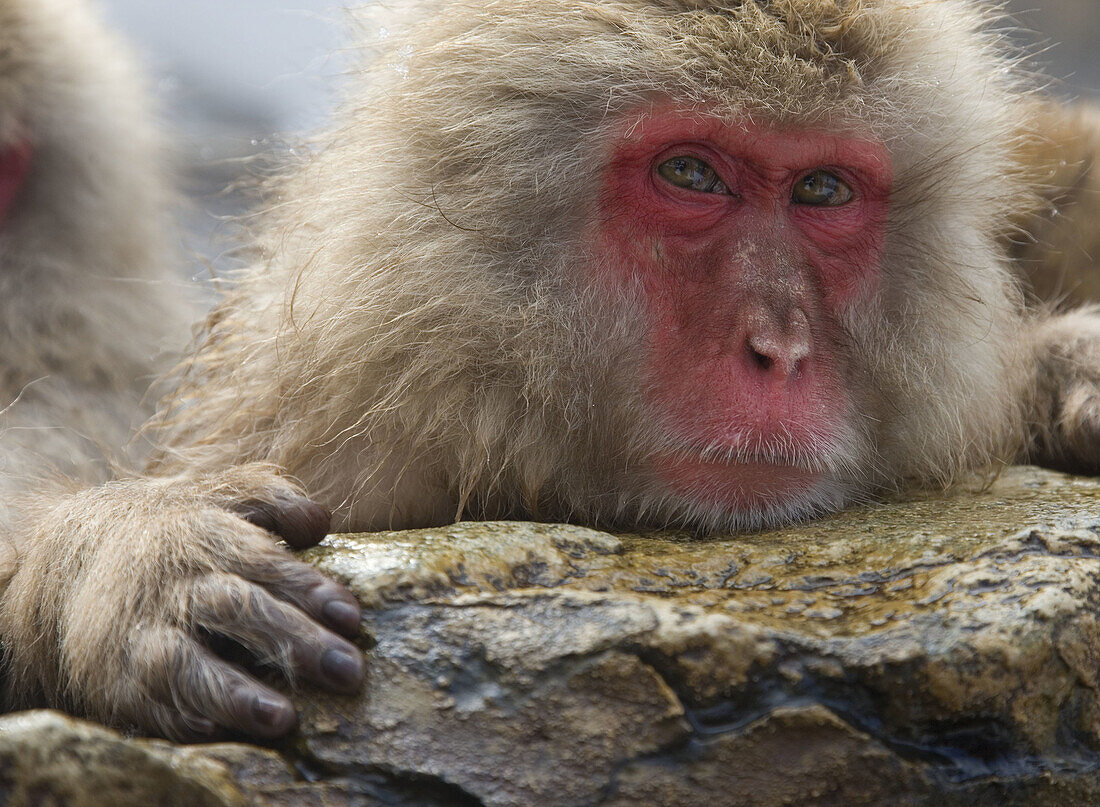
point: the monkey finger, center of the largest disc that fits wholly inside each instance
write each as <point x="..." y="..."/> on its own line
<point x="297" y="520"/>
<point x="232" y="699"/>
<point x="325" y="600"/>
<point x="276" y="632"/>
<point x="180" y="727"/>
<point x="203" y="690"/>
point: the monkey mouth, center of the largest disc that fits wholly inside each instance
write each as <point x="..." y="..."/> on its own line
<point x="741" y="485"/>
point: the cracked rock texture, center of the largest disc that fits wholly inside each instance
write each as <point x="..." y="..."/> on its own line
<point x="940" y="651"/>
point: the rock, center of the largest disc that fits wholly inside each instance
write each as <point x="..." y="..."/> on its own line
<point x="50" y="760"/>
<point x="940" y="651"/>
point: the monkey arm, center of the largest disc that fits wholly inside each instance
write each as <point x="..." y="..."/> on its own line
<point x="119" y="589"/>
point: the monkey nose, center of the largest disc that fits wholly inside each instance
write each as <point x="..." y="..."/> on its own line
<point x="779" y="350"/>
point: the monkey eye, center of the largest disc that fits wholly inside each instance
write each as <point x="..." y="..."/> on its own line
<point x="821" y="188"/>
<point x="692" y="174"/>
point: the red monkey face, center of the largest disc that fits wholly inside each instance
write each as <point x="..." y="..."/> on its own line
<point x="745" y="245"/>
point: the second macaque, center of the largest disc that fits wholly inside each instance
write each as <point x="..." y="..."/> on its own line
<point x="91" y="302"/>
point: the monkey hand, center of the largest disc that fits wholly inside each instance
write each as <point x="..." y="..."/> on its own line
<point x="123" y="595"/>
<point x="1067" y="418"/>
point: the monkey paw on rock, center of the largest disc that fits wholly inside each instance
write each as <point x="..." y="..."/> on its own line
<point x="130" y="600"/>
<point x="1067" y="423"/>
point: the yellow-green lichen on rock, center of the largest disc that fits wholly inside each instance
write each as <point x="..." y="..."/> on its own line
<point x="942" y="650"/>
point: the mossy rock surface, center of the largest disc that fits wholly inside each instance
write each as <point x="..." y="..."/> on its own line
<point x="943" y="650"/>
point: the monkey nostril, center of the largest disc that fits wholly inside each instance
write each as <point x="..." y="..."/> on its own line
<point x="762" y="361"/>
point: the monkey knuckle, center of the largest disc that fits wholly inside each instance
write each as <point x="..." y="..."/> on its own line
<point x="257" y="485"/>
<point x="282" y="490"/>
<point x="245" y="611"/>
<point x="212" y="525"/>
<point x="258" y="513"/>
<point x="311" y="593"/>
<point x="251" y="476"/>
<point x="218" y="598"/>
<point x="155" y="654"/>
<point x="309" y="589"/>
<point x="265" y="615"/>
<point x="280" y="572"/>
<point x="299" y="579"/>
<point x="212" y="684"/>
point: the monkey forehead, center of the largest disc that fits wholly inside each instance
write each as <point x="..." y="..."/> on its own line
<point x="647" y="132"/>
<point x="790" y="57"/>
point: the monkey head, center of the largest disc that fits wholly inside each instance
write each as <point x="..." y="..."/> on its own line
<point x="666" y="262"/>
<point x="79" y="152"/>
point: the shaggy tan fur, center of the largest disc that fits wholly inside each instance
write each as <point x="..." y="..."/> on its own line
<point x="420" y="339"/>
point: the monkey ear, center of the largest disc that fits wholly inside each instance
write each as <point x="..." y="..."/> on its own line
<point x="300" y="522"/>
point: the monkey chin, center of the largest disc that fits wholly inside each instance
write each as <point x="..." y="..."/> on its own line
<point x="746" y="495"/>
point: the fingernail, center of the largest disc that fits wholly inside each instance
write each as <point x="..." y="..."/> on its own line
<point x="342" y="615"/>
<point x="272" y="713"/>
<point x="343" y="670"/>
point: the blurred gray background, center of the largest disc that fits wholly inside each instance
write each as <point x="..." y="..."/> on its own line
<point x="233" y="78"/>
<point x="238" y="77"/>
<point x="1065" y="35"/>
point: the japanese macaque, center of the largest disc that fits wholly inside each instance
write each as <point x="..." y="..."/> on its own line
<point x="86" y="299"/>
<point x="90" y="298"/>
<point x="628" y="262"/>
